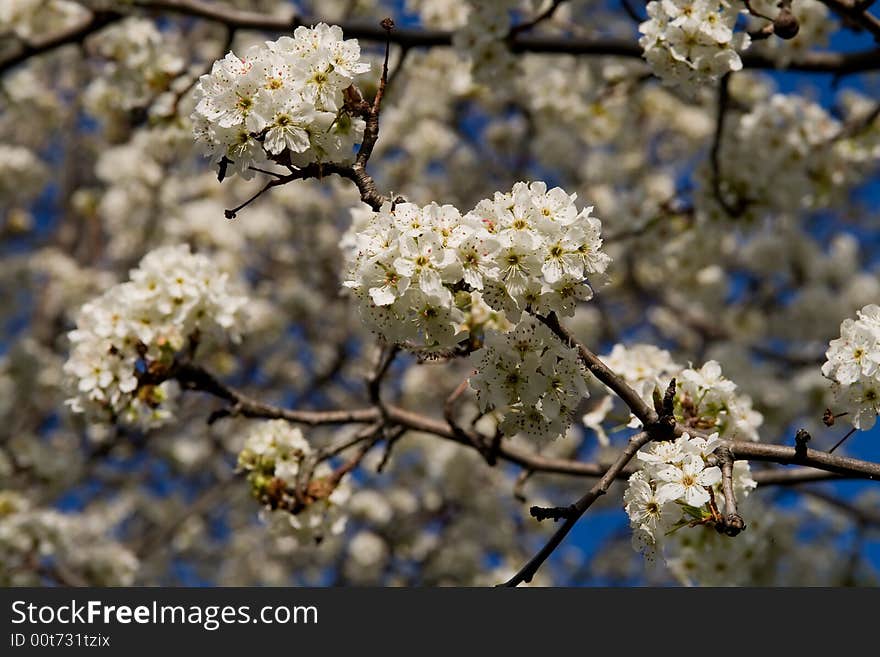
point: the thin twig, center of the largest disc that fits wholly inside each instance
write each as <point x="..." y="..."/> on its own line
<point x="528" y="571"/>
<point x="733" y="521"/>
<point x="525" y="26"/>
<point x="842" y="440"/>
<point x="192" y="377"/>
<point x="732" y="211"/>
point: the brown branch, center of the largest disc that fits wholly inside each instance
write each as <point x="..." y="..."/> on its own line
<point x="842" y="440"/>
<point x="366" y="433"/>
<point x="660" y="429"/>
<point x="646" y="415"/>
<point x="192" y="377"/>
<point x="387" y="354"/>
<point x="390" y="442"/>
<point x="817" y="62"/>
<point x="472" y="437"/>
<point x="792" y="476"/>
<point x="739" y="449"/>
<point x="577" y="509"/>
<point x="356" y="174"/>
<point x="822" y="460"/>
<point x="371" y="131"/>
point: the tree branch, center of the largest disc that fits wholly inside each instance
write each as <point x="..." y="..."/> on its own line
<point x="817" y="62"/>
<point x="577" y="509"/>
<point x="525" y="26"/>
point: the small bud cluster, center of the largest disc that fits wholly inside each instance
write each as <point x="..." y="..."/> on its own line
<point x="283" y="101"/>
<point x="274" y="456"/>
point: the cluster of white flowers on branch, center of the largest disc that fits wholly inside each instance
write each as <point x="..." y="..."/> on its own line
<point x="75" y="546"/>
<point x="141" y="63"/>
<point x="807" y="160"/>
<point x="676" y="487"/>
<point x="28" y="19"/>
<point x="691" y="43"/>
<point x="853" y="365"/>
<point x="482" y="39"/>
<point x="530" y="377"/>
<point x="704" y="399"/>
<point x="526" y="249"/>
<point x="276" y="457"/>
<point x="130" y="337"/>
<point x="420" y="274"/>
<point x="282" y="102"/>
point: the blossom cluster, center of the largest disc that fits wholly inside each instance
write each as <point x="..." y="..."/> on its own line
<point x="853" y="365"/>
<point x="690" y="43"/>
<point x="704" y="398"/>
<point x="141" y="63"/>
<point x="531" y="377"/>
<point x="806" y="160"/>
<point x="481" y="38"/>
<point x="283" y="101"/>
<point x="22" y="173"/>
<point x="676" y="486"/>
<point x="130" y="336"/>
<point x="528" y="248"/>
<point x="425" y="276"/>
<point x="74" y="542"/>
<point x="701" y="556"/>
<point x="274" y="456"/>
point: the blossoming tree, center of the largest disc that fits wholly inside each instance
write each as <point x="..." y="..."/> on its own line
<point x="300" y="294"/>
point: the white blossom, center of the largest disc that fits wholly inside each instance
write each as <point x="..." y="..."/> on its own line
<point x="853" y="365"/>
<point x="282" y="101"/>
<point x="138" y="327"/>
<point x="690" y="43"/>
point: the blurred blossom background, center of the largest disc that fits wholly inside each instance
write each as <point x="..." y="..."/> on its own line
<point x="747" y="247"/>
